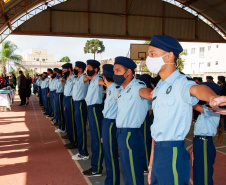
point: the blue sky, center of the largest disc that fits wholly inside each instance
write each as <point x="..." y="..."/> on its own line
<point x="70" y="46"/>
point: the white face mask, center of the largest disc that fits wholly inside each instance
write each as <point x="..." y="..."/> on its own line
<point x="154" y="64"/>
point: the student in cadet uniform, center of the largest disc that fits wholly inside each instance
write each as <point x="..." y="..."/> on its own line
<point x="45" y="91"/>
<point x="209" y="79"/>
<point x="54" y="94"/>
<point x="172" y="103"/>
<point x="68" y="105"/>
<point x="132" y="110"/>
<point x="94" y="99"/>
<point x="39" y="82"/>
<point x="79" y="92"/>
<point x="109" y="130"/>
<point x="58" y="99"/>
<point x="204" y="151"/>
<point x="51" y="93"/>
<point x="146" y="126"/>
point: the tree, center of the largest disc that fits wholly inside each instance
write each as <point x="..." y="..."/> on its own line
<point x="180" y="61"/>
<point x="7" y="54"/>
<point x="94" y="46"/>
<point x="65" y="59"/>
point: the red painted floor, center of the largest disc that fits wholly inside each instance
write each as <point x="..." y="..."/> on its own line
<point x="31" y="153"/>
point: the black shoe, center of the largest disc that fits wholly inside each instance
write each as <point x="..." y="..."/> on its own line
<point x="55" y="124"/>
<point x="91" y="173"/>
<point x="20" y="105"/>
<point x="46" y="114"/>
<point x="70" y="146"/>
<point x="65" y="137"/>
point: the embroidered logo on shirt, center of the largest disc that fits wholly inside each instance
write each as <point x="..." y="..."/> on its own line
<point x="169" y="90"/>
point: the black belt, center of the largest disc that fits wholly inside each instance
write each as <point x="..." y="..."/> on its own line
<point x="203" y="137"/>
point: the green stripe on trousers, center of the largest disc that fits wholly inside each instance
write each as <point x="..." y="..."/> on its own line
<point x="83" y="132"/>
<point x="174" y="165"/>
<point x="73" y="122"/>
<point x="131" y="159"/>
<point x="112" y="158"/>
<point x="98" y="132"/>
<point x="205" y="162"/>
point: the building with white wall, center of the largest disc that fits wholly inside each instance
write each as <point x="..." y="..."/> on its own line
<point x="205" y="59"/>
<point x="39" y="60"/>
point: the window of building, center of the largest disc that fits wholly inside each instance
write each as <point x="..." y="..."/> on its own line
<point x="192" y="50"/>
<point x="43" y="60"/>
<point x="185" y="51"/>
<point x="217" y="46"/>
<point x="208" y="64"/>
<point x="209" y="48"/>
<point x="37" y="59"/>
<point x="201" y="52"/>
<point x="216" y="63"/>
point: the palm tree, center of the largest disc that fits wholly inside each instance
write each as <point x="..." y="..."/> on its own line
<point x="7" y="54"/>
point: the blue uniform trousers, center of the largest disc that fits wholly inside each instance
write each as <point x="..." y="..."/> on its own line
<point x="131" y="152"/>
<point x="145" y="130"/>
<point x="110" y="148"/>
<point x="51" y="105"/>
<point x="69" y="119"/>
<point x="40" y="95"/>
<point x="45" y="100"/>
<point x="204" y="157"/>
<point x="54" y="104"/>
<point x="171" y="163"/>
<point x="59" y="110"/>
<point x="80" y="116"/>
<point x="95" y="122"/>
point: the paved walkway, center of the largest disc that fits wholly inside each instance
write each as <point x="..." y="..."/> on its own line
<point x="31" y="153"/>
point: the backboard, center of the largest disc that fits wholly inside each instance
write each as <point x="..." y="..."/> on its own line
<point x="138" y="51"/>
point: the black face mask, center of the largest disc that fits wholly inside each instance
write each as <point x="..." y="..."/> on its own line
<point x="90" y="72"/>
<point x="53" y="76"/>
<point x="76" y="71"/>
<point x="119" y="79"/>
<point x="66" y="74"/>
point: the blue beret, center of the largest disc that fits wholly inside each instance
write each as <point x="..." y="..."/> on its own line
<point x="50" y="70"/>
<point x="145" y="78"/>
<point x="80" y="64"/>
<point x="93" y="62"/>
<point x="55" y="69"/>
<point x="59" y="70"/>
<point x="221" y="78"/>
<point x="67" y="66"/>
<point x="166" y="43"/>
<point x="127" y="62"/>
<point x="108" y="70"/>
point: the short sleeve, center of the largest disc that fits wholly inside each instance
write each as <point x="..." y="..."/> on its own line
<point x="139" y="85"/>
<point x="185" y="92"/>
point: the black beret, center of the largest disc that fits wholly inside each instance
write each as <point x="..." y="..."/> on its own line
<point x="55" y="69"/>
<point x="209" y="77"/>
<point x="221" y="78"/>
<point x="145" y="78"/>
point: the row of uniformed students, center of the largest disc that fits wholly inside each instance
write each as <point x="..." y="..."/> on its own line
<point x="126" y="111"/>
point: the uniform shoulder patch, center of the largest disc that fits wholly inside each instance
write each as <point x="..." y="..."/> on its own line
<point x="190" y="79"/>
<point x="118" y="86"/>
<point x="100" y="76"/>
<point x="141" y="83"/>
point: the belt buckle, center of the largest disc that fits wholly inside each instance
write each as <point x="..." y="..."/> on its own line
<point x="204" y="139"/>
